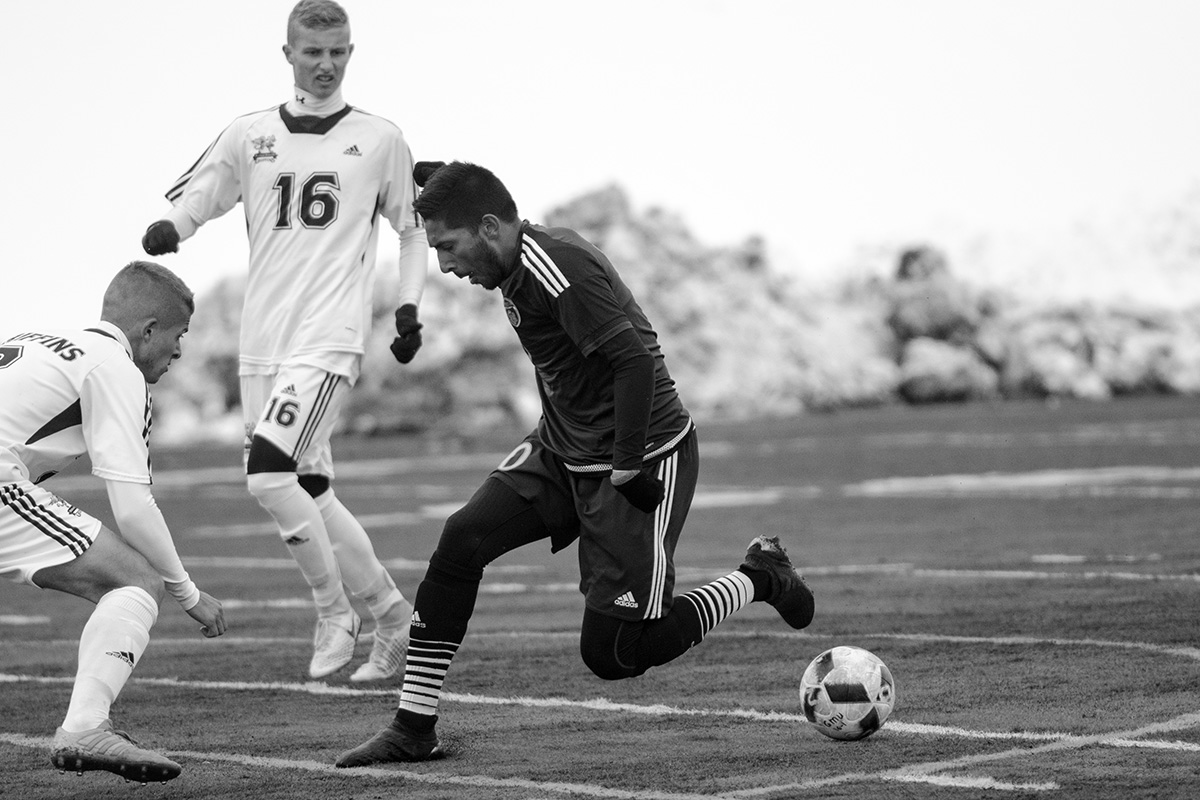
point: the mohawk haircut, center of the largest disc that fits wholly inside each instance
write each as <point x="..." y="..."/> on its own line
<point x="459" y="194"/>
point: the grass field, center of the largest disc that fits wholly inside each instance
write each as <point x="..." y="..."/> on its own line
<point x="1030" y="573"/>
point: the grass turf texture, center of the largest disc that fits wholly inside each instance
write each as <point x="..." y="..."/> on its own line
<point x="1000" y="656"/>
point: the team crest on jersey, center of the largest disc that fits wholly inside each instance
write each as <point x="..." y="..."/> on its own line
<point x="264" y="149"/>
<point x="514" y="316"/>
<point x="9" y="354"/>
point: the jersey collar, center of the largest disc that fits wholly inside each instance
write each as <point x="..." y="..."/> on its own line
<point x="106" y="328"/>
<point x="307" y="124"/>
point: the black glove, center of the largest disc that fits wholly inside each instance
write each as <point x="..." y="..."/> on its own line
<point x="422" y="170"/>
<point x="408" y="330"/>
<point x="643" y="491"/>
<point x="161" y="237"/>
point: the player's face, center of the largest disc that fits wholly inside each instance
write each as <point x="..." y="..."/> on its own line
<point x="158" y="346"/>
<point x="466" y="254"/>
<point x="318" y="58"/>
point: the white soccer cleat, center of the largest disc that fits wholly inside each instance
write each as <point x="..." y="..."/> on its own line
<point x="333" y="644"/>
<point x="114" y="751"/>
<point x="387" y="656"/>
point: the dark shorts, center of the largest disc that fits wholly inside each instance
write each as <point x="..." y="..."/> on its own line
<point x="626" y="557"/>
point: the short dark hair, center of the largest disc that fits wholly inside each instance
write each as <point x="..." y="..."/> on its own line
<point x="145" y="289"/>
<point x="459" y="194"/>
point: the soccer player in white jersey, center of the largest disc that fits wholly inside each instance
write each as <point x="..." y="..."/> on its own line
<point x="313" y="176"/>
<point x="71" y="392"/>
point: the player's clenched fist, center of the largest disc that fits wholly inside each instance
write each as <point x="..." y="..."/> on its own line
<point x="408" y="334"/>
<point x="161" y="237"/>
<point x="641" y="489"/>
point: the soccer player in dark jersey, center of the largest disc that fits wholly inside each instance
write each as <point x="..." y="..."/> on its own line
<point x="613" y="463"/>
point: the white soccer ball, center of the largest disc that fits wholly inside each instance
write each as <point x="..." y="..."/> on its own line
<point x="847" y="693"/>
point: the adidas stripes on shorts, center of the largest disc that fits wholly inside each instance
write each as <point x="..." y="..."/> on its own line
<point x="295" y="409"/>
<point x="38" y="530"/>
<point x="626" y="557"/>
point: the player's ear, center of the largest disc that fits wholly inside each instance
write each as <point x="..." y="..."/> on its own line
<point x="489" y="227"/>
<point x="287" y="53"/>
<point x="148" y="327"/>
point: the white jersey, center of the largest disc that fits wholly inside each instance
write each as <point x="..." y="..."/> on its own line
<point x="72" y="392"/>
<point x="312" y="189"/>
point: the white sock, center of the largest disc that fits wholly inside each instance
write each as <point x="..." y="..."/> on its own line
<point x="362" y="573"/>
<point x="303" y="530"/>
<point x="112" y="642"/>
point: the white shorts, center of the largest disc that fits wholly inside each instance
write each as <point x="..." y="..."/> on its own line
<point x="296" y="410"/>
<point x="38" y="530"/>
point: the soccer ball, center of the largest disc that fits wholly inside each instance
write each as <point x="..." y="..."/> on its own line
<point x="847" y="693"/>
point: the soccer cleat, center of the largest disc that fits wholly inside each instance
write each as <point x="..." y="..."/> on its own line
<point x="396" y="742"/>
<point x="104" y="748"/>
<point x="333" y="644"/>
<point x="789" y="593"/>
<point x="387" y="656"/>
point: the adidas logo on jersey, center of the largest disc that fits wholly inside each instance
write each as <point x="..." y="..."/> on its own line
<point x="352" y="150"/>
<point x="124" y="655"/>
<point x="416" y="620"/>
<point x="626" y="600"/>
<point x="289" y="390"/>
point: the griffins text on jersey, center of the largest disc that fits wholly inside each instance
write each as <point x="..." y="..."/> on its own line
<point x="65" y="348"/>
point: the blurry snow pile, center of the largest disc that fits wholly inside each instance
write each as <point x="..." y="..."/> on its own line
<point x="742" y="338"/>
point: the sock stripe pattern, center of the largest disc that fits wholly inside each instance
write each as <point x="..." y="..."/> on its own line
<point x="717" y="600"/>
<point x="424" y="673"/>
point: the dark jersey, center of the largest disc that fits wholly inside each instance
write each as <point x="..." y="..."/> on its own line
<point x="564" y="300"/>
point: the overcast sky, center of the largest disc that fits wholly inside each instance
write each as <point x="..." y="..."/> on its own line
<point x="820" y="125"/>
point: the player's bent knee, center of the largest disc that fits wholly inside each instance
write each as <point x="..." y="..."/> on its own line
<point x="606" y="645"/>
<point x="271" y="488"/>
<point x="462" y="540"/>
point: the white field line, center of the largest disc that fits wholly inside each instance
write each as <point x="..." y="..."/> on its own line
<point x="608" y="706"/>
<point x="704" y="573"/>
<point x="599" y="705"/>
<point x="1033" y="481"/>
<point x="437" y="778"/>
<point x="929" y="771"/>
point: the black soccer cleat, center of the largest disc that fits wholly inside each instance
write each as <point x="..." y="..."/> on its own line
<point x="396" y="742"/>
<point x="788" y="593"/>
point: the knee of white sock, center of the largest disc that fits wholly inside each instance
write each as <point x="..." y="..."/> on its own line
<point x="136" y="601"/>
<point x="272" y="489"/>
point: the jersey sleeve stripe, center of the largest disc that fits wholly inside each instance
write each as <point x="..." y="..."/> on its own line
<point x="177" y="188"/>
<point x="543" y="267"/>
<point x="181" y="182"/>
